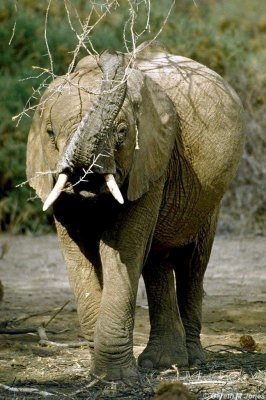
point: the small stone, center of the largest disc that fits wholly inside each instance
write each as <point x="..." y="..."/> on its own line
<point x="247" y="342"/>
<point x="173" y="391"/>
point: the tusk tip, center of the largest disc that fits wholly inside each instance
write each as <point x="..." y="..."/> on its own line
<point x="45" y="207"/>
<point x="55" y="193"/>
<point x="120" y="201"/>
<point x="113" y="188"/>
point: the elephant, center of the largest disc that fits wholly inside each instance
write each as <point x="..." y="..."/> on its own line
<point x="134" y="151"/>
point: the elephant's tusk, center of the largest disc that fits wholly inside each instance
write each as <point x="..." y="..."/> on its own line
<point x="59" y="186"/>
<point x="114" y="189"/>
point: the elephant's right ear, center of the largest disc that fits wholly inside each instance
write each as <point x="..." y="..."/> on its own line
<point x="39" y="165"/>
<point x="157" y="127"/>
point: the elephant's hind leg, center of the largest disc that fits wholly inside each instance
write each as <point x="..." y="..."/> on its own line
<point x="190" y="263"/>
<point x="166" y="344"/>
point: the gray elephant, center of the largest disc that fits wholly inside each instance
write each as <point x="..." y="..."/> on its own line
<point x="142" y="148"/>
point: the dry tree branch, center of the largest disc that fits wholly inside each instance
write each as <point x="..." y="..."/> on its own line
<point x="162" y="26"/>
<point x="37" y="175"/>
<point x="82" y="38"/>
<point x="87" y="30"/>
<point x="14" y="26"/>
<point x="28" y="106"/>
<point x="14" y="331"/>
<point x="89" y="170"/>
<point x="46" y="39"/>
<point x="56" y="313"/>
<point x="42" y="332"/>
<point x="81" y="179"/>
<point x="132" y="29"/>
<point x="132" y="22"/>
<point x="13" y="33"/>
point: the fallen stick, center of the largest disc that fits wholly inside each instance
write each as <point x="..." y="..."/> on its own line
<point x="209" y="383"/>
<point x="73" y="345"/>
<point x="44" y="341"/>
<point x="40" y="329"/>
<point x="14" y="331"/>
<point x="56" y="313"/>
<point x="224" y="347"/>
<point x="25" y="390"/>
<point x="4" y="324"/>
<point x="21" y="331"/>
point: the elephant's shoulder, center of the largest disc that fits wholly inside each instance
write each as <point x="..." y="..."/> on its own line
<point x="183" y="77"/>
<point x="154" y="60"/>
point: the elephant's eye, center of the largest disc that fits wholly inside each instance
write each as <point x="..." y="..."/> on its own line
<point x="122" y="130"/>
<point x="51" y="135"/>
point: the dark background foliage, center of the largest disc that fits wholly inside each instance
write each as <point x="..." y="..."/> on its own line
<point x="229" y="37"/>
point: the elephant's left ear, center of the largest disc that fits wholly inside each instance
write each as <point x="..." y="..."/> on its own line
<point x="38" y="153"/>
<point x="157" y="128"/>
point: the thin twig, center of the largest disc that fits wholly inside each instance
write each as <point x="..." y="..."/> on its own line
<point x="85" y="36"/>
<point x="89" y="170"/>
<point x="226" y="346"/>
<point x="17" y="331"/>
<point x="14" y="26"/>
<point x="37" y="175"/>
<point x="13" y="33"/>
<point x="46" y="39"/>
<point x="72" y="345"/>
<point x="210" y="382"/>
<point x="56" y="313"/>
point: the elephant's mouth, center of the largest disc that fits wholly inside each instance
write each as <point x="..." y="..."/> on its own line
<point x="87" y="185"/>
<point x="96" y="185"/>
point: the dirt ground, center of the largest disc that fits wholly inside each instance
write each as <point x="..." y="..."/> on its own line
<point x="36" y="288"/>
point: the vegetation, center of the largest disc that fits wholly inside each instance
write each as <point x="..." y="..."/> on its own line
<point x="226" y="36"/>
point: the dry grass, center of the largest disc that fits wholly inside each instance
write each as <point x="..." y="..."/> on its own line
<point x="230" y="373"/>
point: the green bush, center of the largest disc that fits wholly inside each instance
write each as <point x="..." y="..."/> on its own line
<point x="228" y="37"/>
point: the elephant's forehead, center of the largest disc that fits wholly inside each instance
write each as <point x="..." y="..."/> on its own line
<point x="74" y="94"/>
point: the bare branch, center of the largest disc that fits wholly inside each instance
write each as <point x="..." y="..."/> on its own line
<point x="45" y="37"/>
<point x="26" y="390"/>
<point x="84" y="40"/>
<point x="89" y="170"/>
<point x="14" y="26"/>
<point x="13" y="33"/>
<point x="38" y="175"/>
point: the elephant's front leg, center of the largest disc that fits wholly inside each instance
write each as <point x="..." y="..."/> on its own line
<point x="85" y="276"/>
<point x="123" y="250"/>
<point x="113" y="339"/>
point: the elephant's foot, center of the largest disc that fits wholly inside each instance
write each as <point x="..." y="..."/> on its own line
<point x="196" y="355"/>
<point x="128" y="374"/>
<point x="162" y="353"/>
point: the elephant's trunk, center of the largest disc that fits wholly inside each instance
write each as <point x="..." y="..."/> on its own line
<point x="93" y="135"/>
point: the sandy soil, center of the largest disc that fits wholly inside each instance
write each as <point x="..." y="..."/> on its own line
<point x="36" y="287"/>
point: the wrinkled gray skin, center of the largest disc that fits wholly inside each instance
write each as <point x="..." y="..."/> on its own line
<point x="172" y="134"/>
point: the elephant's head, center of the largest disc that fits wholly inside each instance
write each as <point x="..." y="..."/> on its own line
<point x="104" y="127"/>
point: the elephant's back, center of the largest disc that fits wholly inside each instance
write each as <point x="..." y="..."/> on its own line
<point x="211" y="142"/>
<point x="210" y="112"/>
